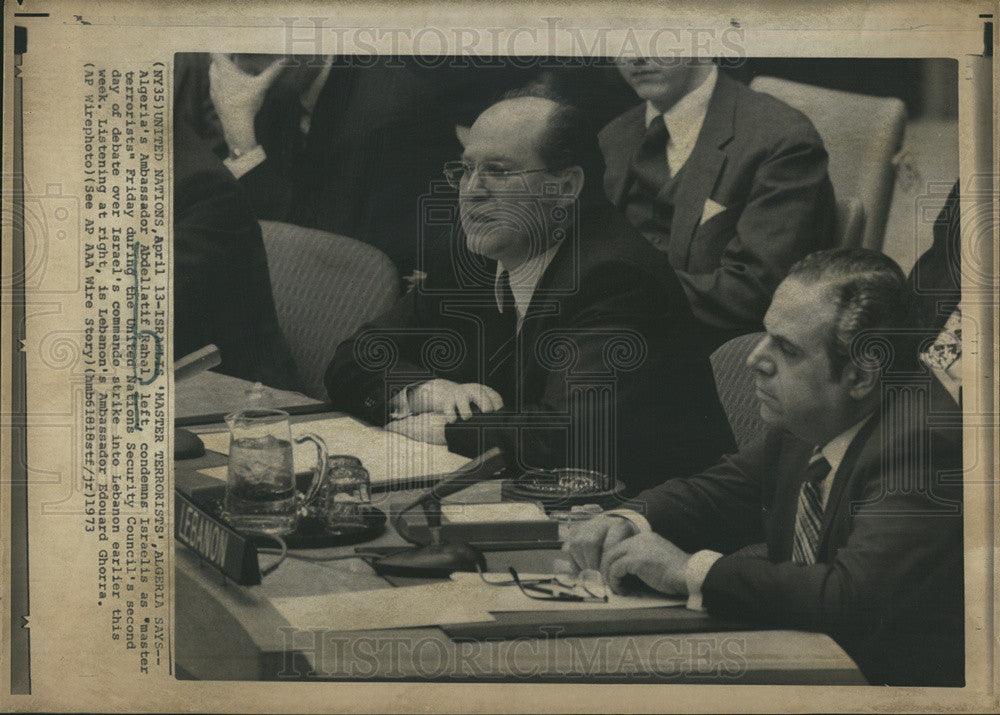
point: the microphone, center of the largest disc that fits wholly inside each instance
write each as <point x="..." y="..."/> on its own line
<point x="197" y="362"/>
<point x="437" y="560"/>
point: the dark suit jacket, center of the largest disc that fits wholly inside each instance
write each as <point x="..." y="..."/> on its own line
<point x="764" y="162"/>
<point x="934" y="278"/>
<point x="374" y="146"/>
<point x="607" y="314"/>
<point x="887" y="584"/>
<point x="222" y="288"/>
<point x="376" y="140"/>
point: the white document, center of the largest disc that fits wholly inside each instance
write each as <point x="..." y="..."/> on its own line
<point x="386" y="455"/>
<point x="499" y="511"/>
<point x="463" y="599"/>
<point x="502" y="599"/>
<point x="404" y="607"/>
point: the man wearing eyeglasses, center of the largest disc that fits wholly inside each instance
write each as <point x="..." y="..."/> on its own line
<point x="846" y="517"/>
<point x="546" y="325"/>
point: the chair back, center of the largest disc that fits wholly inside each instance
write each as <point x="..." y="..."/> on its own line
<point x="850" y="222"/>
<point x="862" y="134"/>
<point x="325" y="287"/>
<point x="734" y="382"/>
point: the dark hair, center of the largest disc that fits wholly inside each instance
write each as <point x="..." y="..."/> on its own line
<point x="570" y="139"/>
<point x="870" y="294"/>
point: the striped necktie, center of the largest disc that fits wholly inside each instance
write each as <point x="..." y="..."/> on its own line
<point x="810" y="512"/>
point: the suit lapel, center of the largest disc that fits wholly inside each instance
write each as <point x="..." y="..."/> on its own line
<point x="558" y="280"/>
<point x="512" y="355"/>
<point x="840" y="481"/>
<point x="786" y="500"/>
<point x="622" y="144"/>
<point x="700" y="172"/>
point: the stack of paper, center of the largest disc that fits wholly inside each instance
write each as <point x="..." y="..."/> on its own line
<point x="463" y="599"/>
<point x="501" y="599"/>
<point x="386" y="455"/>
<point x="405" y="607"/>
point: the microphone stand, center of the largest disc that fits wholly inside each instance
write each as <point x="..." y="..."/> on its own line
<point x="434" y="559"/>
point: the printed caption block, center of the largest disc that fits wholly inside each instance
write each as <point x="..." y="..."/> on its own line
<point x="126" y="295"/>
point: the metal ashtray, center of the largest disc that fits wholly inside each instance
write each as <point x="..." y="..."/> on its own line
<point x="564" y="488"/>
<point x="565" y="481"/>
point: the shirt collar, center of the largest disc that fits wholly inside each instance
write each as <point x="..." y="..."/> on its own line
<point x="836" y="448"/>
<point x="524" y="280"/>
<point x="685" y="118"/>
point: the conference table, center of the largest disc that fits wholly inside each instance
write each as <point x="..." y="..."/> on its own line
<point x="225" y="631"/>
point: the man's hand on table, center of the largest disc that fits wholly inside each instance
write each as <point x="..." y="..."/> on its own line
<point x="588" y="541"/>
<point x="452" y="399"/>
<point x="615" y="546"/>
<point x="427" y="427"/>
<point x="651" y="558"/>
<point x="432" y="405"/>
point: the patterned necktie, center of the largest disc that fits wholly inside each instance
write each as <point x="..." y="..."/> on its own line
<point x="810" y="514"/>
<point x="650" y="165"/>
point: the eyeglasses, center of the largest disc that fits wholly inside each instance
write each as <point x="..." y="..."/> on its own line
<point x="588" y="585"/>
<point x="491" y="174"/>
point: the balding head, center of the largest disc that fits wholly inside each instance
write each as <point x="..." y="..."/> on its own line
<point x="514" y="129"/>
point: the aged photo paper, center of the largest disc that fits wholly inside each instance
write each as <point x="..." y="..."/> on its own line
<point x="203" y="200"/>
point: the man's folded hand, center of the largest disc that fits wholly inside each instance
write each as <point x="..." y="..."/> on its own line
<point x="453" y="400"/>
<point x="651" y="558"/>
<point x="589" y="540"/>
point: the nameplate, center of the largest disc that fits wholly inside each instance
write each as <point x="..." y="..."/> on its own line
<point x="216" y="543"/>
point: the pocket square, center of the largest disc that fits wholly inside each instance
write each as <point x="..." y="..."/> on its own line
<point x="710" y="210"/>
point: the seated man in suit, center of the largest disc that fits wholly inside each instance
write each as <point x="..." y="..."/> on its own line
<point x="843" y="518"/>
<point x="730" y="183"/>
<point x="546" y="325"/>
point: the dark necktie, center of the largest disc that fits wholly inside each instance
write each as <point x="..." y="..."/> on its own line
<point x="809" y="518"/>
<point x="650" y="165"/>
<point x="501" y="332"/>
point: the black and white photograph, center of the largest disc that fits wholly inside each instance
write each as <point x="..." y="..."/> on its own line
<point x="499" y="357"/>
<point x="675" y="316"/>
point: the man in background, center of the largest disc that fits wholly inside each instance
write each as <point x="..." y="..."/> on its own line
<point x="222" y="286"/>
<point x="846" y="517"/>
<point x="730" y="183"/>
<point x="935" y="281"/>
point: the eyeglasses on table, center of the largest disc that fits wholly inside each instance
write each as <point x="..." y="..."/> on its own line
<point x="588" y="585"/>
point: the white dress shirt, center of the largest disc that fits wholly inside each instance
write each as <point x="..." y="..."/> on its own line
<point x="523" y="281"/>
<point x="684" y="120"/>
